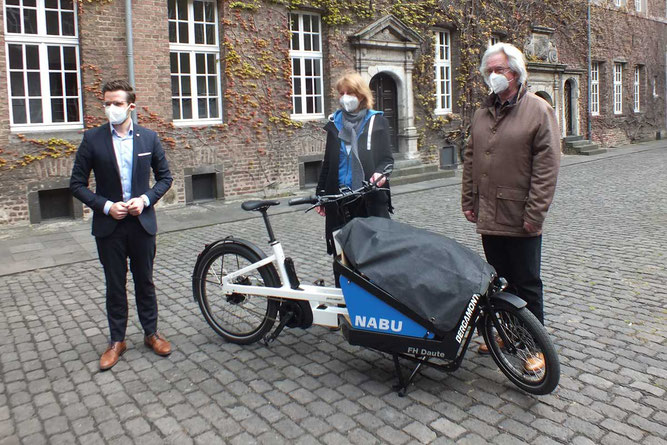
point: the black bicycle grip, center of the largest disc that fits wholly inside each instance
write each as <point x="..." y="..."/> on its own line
<point x="312" y="199"/>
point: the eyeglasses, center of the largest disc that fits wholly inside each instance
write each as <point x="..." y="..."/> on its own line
<point x="117" y="103"/>
<point x="498" y="70"/>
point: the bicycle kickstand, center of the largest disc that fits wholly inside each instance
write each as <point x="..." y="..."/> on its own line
<point x="284" y="319"/>
<point x="403" y="384"/>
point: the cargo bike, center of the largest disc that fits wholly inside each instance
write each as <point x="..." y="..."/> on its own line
<point x="407" y="292"/>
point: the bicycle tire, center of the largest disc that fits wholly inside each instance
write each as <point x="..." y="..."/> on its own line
<point x="238" y="318"/>
<point x="529" y="338"/>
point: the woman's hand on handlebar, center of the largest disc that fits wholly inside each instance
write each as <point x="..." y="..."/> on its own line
<point x="378" y="179"/>
<point x="320" y="210"/>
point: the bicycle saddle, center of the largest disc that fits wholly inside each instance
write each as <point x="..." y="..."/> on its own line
<point x="258" y="205"/>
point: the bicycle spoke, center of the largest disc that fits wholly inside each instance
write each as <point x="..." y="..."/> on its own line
<point x="524" y="346"/>
<point x="239" y="313"/>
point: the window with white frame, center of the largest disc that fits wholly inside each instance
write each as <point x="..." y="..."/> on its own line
<point x="618" y="3"/>
<point x="638" y="5"/>
<point x="636" y="88"/>
<point x="493" y="40"/>
<point x="618" y="88"/>
<point x="42" y="48"/>
<point x="443" y="73"/>
<point x="595" y="89"/>
<point x="306" y="57"/>
<point x="194" y="54"/>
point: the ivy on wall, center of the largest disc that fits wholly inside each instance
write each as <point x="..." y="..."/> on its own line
<point x="255" y="56"/>
<point x="334" y="12"/>
<point x="473" y="22"/>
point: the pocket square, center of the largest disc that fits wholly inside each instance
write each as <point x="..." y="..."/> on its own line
<point x="144" y="154"/>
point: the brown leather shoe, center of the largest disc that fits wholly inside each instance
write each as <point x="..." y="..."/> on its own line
<point x="484" y="349"/>
<point x="534" y="363"/>
<point x="112" y="354"/>
<point x="158" y="344"/>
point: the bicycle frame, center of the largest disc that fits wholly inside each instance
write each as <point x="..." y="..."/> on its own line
<point x="324" y="301"/>
<point x="381" y="321"/>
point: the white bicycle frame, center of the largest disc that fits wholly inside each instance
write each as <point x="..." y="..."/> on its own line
<point x="324" y="301"/>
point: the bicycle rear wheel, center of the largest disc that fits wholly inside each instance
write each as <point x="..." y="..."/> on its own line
<point x="238" y="318"/>
<point x="528" y="340"/>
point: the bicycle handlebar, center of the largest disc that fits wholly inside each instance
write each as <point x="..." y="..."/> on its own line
<point x="316" y="200"/>
<point x="312" y="199"/>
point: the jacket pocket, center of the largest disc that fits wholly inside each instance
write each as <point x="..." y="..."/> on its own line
<point x="510" y="205"/>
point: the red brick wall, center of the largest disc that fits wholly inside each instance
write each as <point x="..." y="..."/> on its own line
<point x="151" y="56"/>
<point x="655" y="8"/>
<point x="4" y="103"/>
<point x="256" y="147"/>
<point x="615" y="39"/>
<point x="103" y="51"/>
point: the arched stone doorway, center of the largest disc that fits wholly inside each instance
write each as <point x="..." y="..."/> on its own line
<point x="568" y="107"/>
<point x="386" y="47"/>
<point x="544" y="95"/>
<point x="384" y="91"/>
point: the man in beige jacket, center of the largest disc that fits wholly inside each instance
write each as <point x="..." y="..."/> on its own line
<point x="509" y="176"/>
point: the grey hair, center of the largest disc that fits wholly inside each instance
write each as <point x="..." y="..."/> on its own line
<point x="515" y="60"/>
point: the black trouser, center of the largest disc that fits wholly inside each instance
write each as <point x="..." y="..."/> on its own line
<point x="518" y="260"/>
<point x="129" y="240"/>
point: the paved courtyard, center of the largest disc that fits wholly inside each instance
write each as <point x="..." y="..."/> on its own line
<point x="605" y="272"/>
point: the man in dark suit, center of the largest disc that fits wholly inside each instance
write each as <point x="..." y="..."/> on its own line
<point x="122" y="155"/>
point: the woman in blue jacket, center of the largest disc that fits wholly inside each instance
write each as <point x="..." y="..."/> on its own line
<point x="358" y="149"/>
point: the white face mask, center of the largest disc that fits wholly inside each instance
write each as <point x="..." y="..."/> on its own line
<point x="498" y="82"/>
<point x="349" y="103"/>
<point x="116" y="115"/>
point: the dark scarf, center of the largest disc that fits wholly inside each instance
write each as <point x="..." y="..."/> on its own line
<point x="352" y="126"/>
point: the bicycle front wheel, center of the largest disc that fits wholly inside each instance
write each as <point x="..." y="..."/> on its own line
<point x="238" y="318"/>
<point x="529" y="342"/>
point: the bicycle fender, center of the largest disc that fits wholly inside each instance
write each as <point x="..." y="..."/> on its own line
<point x="227" y="240"/>
<point x="508" y="298"/>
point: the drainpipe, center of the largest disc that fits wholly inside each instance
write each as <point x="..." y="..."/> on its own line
<point x="590" y="68"/>
<point x="130" y="50"/>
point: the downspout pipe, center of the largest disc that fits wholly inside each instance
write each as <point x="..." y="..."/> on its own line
<point x="130" y="50"/>
<point x="590" y="68"/>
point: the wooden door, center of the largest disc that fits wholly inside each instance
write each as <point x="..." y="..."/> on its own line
<point x="567" y="95"/>
<point x="384" y="93"/>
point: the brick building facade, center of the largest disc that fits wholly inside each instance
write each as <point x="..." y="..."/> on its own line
<point x="239" y="91"/>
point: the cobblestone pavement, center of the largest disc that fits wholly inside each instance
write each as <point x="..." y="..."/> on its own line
<point x="603" y="265"/>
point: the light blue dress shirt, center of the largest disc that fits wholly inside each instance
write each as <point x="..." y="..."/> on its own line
<point x="123" y="146"/>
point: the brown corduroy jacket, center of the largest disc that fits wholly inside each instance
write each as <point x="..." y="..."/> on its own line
<point x="511" y="164"/>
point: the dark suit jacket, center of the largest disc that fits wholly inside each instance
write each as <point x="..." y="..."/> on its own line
<point x="96" y="153"/>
